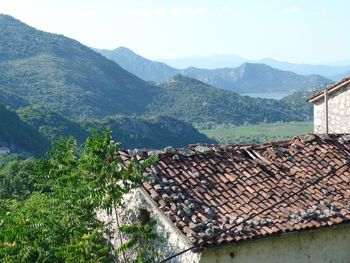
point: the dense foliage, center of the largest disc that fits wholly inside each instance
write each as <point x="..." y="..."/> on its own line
<point x="298" y="101"/>
<point x="51" y="124"/>
<point x="57" y="222"/>
<point x="194" y="101"/>
<point x="19" y="136"/>
<point x="142" y="240"/>
<point x="152" y="132"/>
<point x="16" y="179"/>
<point x="132" y="132"/>
<point x="9" y="98"/>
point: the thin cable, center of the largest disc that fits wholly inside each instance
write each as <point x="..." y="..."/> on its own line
<point x="331" y="172"/>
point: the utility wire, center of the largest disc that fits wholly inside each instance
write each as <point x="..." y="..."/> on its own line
<point x="331" y="172"/>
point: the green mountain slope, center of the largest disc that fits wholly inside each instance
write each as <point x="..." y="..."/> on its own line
<point x="298" y="100"/>
<point x="61" y="74"/>
<point x="19" y="136"/>
<point x="194" y="101"/>
<point x="247" y="78"/>
<point x="9" y="98"/>
<point x="132" y="132"/>
<point x="51" y="124"/>
<point x="153" y="132"/>
<point x="143" y="68"/>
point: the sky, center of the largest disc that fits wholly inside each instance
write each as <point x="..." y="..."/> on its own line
<point x="299" y="31"/>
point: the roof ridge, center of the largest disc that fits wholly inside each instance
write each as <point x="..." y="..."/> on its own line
<point x="206" y="148"/>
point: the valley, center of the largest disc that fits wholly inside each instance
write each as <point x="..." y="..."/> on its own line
<point x="174" y="131"/>
<point x="56" y="86"/>
<point x="260" y="133"/>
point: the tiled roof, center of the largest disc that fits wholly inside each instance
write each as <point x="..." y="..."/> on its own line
<point x="4" y="149"/>
<point x="205" y="189"/>
<point x="329" y="89"/>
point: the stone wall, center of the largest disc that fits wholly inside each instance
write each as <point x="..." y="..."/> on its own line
<point x="338" y="113"/>
<point x="321" y="246"/>
<point x="318" y="246"/>
<point x="173" y="240"/>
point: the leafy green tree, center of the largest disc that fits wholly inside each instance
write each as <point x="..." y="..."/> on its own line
<point x="17" y="180"/>
<point x="42" y="229"/>
<point x="142" y="239"/>
<point x="58" y="223"/>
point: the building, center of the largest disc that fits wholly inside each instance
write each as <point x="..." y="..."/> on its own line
<point x="286" y="201"/>
<point x="4" y="150"/>
<point x="332" y="108"/>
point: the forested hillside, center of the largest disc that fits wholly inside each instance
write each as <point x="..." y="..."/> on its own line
<point x="132" y="132"/>
<point x="143" y="68"/>
<point x="194" y="101"/>
<point x="63" y="75"/>
<point x="19" y="136"/>
<point x="298" y="100"/>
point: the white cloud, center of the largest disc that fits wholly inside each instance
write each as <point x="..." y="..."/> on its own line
<point x="167" y="11"/>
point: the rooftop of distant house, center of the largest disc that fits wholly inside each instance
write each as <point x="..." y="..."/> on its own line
<point x="205" y="189"/>
<point x="333" y="88"/>
<point x="4" y="149"/>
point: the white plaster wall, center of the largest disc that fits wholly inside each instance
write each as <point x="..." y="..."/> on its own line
<point x="174" y="241"/>
<point x="338" y="113"/>
<point x="319" y="117"/>
<point x="322" y="246"/>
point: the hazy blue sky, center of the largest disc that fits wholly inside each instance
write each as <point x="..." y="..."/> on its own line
<point x="298" y="31"/>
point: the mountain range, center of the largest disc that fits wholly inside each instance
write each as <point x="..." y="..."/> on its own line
<point x="332" y="71"/>
<point x="245" y="79"/>
<point x="60" y="87"/>
<point x="65" y="76"/>
<point x="191" y="100"/>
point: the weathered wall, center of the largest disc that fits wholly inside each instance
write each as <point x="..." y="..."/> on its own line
<point x="322" y="246"/>
<point x="329" y="245"/>
<point x="174" y="241"/>
<point x="338" y="113"/>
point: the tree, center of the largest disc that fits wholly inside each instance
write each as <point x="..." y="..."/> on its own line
<point x="142" y="239"/>
<point x="57" y="223"/>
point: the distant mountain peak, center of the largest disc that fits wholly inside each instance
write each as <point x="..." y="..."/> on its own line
<point x="185" y="79"/>
<point x="124" y="49"/>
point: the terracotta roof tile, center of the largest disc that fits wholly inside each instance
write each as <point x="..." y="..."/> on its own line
<point x="221" y="187"/>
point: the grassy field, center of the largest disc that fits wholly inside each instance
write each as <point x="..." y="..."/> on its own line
<point x="259" y="133"/>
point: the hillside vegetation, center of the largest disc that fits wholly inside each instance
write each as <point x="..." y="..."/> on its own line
<point x="194" y="101"/>
<point x="143" y="68"/>
<point x="63" y="75"/>
<point x="298" y="100"/>
<point x="132" y="132"/>
<point x="259" y="133"/>
<point x="19" y="136"/>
